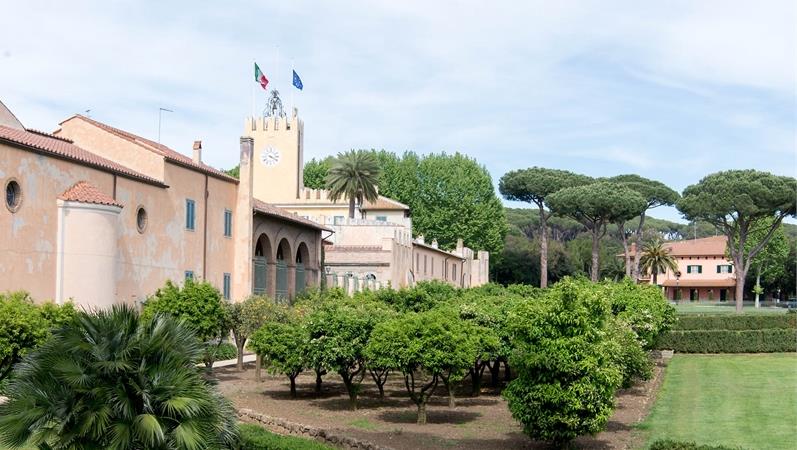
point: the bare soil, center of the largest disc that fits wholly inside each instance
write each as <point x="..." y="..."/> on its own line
<point x="482" y="422"/>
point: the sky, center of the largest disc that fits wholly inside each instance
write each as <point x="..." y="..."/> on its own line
<point x="669" y="90"/>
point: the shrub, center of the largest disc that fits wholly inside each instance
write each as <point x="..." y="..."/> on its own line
<point x="198" y="305"/>
<point x="112" y="380"/>
<point x="25" y="326"/>
<point x="565" y="364"/>
<point x="729" y="341"/>
<point x="633" y="361"/>
<point x="735" y="321"/>
<point x="668" y="444"/>
<point x="254" y="437"/>
<point x="643" y="307"/>
<point x="220" y="352"/>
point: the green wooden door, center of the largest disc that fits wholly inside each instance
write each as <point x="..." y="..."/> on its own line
<point x="300" y="278"/>
<point x="259" y="275"/>
<point x="282" y="280"/>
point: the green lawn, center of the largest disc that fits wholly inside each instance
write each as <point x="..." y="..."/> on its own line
<point x="735" y="400"/>
<point x="723" y="308"/>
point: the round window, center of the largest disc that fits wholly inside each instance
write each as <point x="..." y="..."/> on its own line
<point x="141" y="219"/>
<point x="13" y="195"/>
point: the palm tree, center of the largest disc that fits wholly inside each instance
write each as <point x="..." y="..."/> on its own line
<point x="656" y="258"/>
<point x="354" y="175"/>
<point x="110" y="379"/>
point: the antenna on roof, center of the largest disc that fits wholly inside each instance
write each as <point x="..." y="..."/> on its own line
<point x="160" y="116"/>
<point x="88" y="113"/>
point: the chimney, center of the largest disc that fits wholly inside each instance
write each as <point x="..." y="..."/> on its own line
<point x="434" y="243"/>
<point x="420" y="240"/>
<point x="197" y="152"/>
<point x="460" y="246"/>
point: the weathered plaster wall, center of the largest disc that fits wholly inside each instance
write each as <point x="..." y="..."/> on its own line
<point x="87" y="253"/>
<point x="110" y="146"/>
<point x="28" y="236"/>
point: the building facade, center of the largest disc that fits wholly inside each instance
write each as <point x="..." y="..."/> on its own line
<point x="704" y="271"/>
<point x="99" y="215"/>
<point x="375" y="248"/>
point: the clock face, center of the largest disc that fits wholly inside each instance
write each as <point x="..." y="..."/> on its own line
<point x="270" y="156"/>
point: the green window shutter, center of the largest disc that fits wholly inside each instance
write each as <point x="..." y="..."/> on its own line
<point x="730" y="268"/>
<point x="719" y="269"/>
<point x="688" y="269"/>
<point x="699" y="269"/>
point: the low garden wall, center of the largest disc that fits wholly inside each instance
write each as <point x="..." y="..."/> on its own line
<point x="731" y="334"/>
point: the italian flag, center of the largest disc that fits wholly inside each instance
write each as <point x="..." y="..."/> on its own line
<point x="260" y="78"/>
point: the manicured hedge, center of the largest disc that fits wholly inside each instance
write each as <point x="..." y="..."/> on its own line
<point x="735" y="322"/>
<point x="254" y="437"/>
<point x="667" y="444"/>
<point x="729" y="341"/>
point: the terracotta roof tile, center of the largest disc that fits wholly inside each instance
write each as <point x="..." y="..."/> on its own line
<point x="160" y="149"/>
<point x="384" y="203"/>
<point x="710" y="246"/>
<point x="59" y="147"/>
<point x="271" y="210"/>
<point x="84" y="192"/>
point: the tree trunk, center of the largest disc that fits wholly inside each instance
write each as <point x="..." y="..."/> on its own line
<point x="317" y="381"/>
<point x="757" y="286"/>
<point x="258" y="365"/>
<point x="740" y="275"/>
<point x="293" y="385"/>
<point x="621" y="226"/>
<point x="495" y="369"/>
<point x="351" y="207"/>
<point x="507" y="372"/>
<point x="655" y="276"/>
<point x="595" y="270"/>
<point x="422" y="412"/>
<point x="240" y="345"/>
<point x="351" y="391"/>
<point x="475" y="381"/>
<point x="639" y="235"/>
<point x="452" y="403"/>
<point x="543" y="248"/>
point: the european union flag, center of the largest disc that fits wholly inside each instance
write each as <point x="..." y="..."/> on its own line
<point x="297" y="81"/>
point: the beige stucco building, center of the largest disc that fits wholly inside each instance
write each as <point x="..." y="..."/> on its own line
<point x="704" y="271"/>
<point x="100" y="215"/>
<point x="376" y="248"/>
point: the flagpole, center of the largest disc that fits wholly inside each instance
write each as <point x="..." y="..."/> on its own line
<point x="292" y="87"/>
<point x="253" y="93"/>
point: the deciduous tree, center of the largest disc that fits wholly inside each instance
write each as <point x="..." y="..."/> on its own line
<point x="424" y="347"/>
<point x="737" y="202"/>
<point x="315" y="172"/>
<point x="283" y="347"/>
<point x="248" y="316"/>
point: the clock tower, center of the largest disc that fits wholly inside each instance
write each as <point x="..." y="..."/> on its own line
<point x="277" y="161"/>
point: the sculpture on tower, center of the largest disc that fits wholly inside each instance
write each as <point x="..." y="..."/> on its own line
<point x="274" y="105"/>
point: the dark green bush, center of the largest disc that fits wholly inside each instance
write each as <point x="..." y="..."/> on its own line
<point x="735" y="322"/>
<point x="220" y="352"/>
<point x="668" y="444"/>
<point x="729" y="341"/>
<point x="565" y="360"/>
<point x="253" y="437"/>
